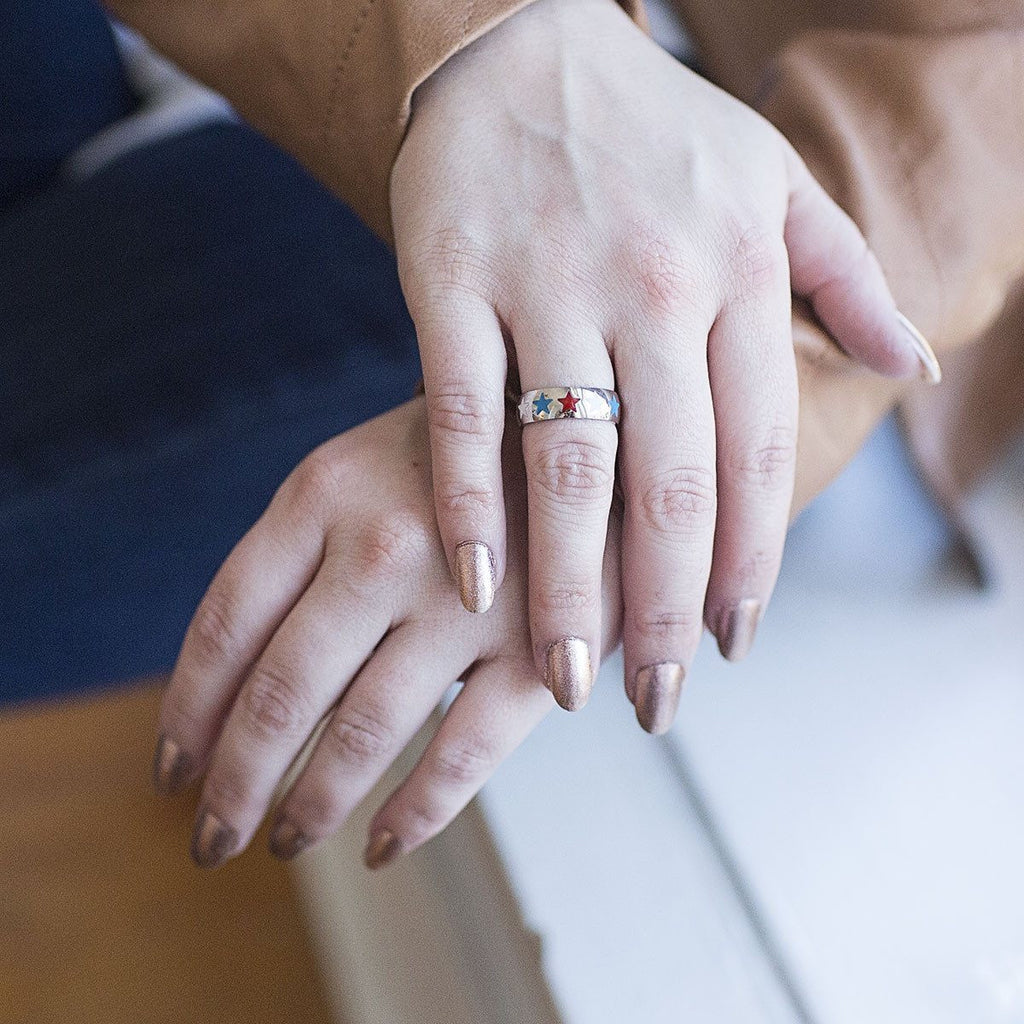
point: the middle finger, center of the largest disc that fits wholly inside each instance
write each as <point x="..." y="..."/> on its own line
<point x="570" y="470"/>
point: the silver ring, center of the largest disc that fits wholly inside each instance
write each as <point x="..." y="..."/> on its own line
<point x="571" y="403"/>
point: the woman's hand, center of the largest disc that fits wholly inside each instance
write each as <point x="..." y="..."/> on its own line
<point x="338" y="602"/>
<point x="568" y="189"/>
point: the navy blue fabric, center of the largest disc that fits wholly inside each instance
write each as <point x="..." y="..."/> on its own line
<point x="175" y="334"/>
<point x="61" y="81"/>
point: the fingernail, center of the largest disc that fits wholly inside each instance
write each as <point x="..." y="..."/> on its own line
<point x="382" y="849"/>
<point x="475" y="571"/>
<point x="170" y="767"/>
<point x="930" y="369"/>
<point x="737" y="629"/>
<point x="287" y="841"/>
<point x="213" y="841"/>
<point x="570" y="673"/>
<point x="657" y="689"/>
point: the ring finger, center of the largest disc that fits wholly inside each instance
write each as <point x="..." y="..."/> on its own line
<point x="669" y="480"/>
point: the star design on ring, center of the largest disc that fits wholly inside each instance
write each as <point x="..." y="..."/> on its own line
<point x="614" y="405"/>
<point x="541" y="405"/>
<point x="569" y="404"/>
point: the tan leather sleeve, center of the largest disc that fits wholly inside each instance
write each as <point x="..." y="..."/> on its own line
<point x="918" y="131"/>
<point x="328" y="80"/>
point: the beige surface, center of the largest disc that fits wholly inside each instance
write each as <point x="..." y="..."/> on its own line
<point x="102" y="915"/>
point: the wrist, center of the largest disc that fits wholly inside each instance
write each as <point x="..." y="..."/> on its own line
<point x="524" y="42"/>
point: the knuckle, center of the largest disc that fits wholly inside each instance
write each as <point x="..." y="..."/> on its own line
<point x="390" y="546"/>
<point x="757" y="260"/>
<point x="561" y="255"/>
<point x="213" y="633"/>
<point x="451" y="258"/>
<point x="680" y="500"/>
<point x="274" y="705"/>
<point x="664" y="625"/>
<point x="770" y="465"/>
<point x="359" y="735"/>
<point x="314" y="484"/>
<point x="463" y="763"/>
<point x="463" y="414"/>
<point x="465" y="501"/>
<point x="578" y="471"/>
<point x="565" y="596"/>
<point x="664" y="272"/>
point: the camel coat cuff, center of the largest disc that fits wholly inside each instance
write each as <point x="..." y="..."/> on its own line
<point x="916" y="132"/>
<point x="330" y="81"/>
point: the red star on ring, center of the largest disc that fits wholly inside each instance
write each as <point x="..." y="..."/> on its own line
<point x="569" y="403"/>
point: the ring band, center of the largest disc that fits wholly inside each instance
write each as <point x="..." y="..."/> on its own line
<point x="571" y="403"/>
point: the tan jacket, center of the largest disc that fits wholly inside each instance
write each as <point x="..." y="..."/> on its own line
<point x="911" y="112"/>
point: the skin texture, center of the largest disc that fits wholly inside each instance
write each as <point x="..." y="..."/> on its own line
<point x="338" y="601"/>
<point x="329" y="607"/>
<point x="573" y="205"/>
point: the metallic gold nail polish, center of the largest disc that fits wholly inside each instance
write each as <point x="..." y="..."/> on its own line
<point x="930" y="369"/>
<point x="213" y="841"/>
<point x="570" y="672"/>
<point x="476" y="574"/>
<point x="382" y="849"/>
<point x="657" y="689"/>
<point x="287" y="841"/>
<point x="171" y="768"/>
<point x="737" y="629"/>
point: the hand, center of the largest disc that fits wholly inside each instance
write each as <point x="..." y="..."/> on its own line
<point x="338" y="602"/>
<point x="570" y="190"/>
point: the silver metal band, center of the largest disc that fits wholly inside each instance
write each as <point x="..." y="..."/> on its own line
<point x="569" y="403"/>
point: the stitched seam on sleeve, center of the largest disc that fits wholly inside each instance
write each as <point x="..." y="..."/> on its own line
<point x="341" y="63"/>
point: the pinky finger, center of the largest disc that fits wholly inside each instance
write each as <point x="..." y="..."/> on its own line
<point x="495" y="711"/>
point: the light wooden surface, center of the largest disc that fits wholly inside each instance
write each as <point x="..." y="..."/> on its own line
<point x="103" y="918"/>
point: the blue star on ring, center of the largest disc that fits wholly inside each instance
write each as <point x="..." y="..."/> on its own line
<point x="614" y="405"/>
<point x="541" y="405"/>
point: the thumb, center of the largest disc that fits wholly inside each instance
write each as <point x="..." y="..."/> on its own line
<point x="832" y="267"/>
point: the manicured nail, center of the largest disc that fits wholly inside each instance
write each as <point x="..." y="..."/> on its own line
<point x="213" y="841"/>
<point x="656" y="695"/>
<point x="383" y="847"/>
<point x="475" y="571"/>
<point x="737" y="629"/>
<point x="570" y="673"/>
<point x="287" y="841"/>
<point x="930" y="369"/>
<point x="170" y="767"/>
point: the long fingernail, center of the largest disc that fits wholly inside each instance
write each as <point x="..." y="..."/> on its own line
<point x="656" y="690"/>
<point x="170" y="767"/>
<point x="384" y="846"/>
<point x="213" y="841"/>
<point x="570" y="672"/>
<point x="287" y="841"/>
<point x="737" y="629"/>
<point x="930" y="369"/>
<point x="474" y="568"/>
